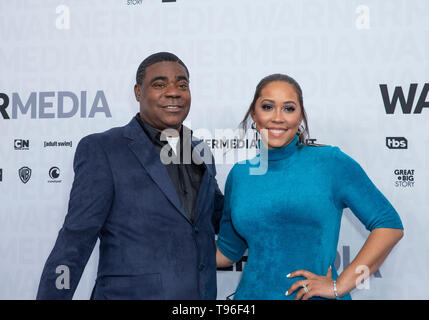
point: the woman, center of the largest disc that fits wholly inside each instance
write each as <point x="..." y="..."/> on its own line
<point x="290" y="217"/>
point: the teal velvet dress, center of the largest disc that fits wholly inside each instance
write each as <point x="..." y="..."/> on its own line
<point x="289" y="218"/>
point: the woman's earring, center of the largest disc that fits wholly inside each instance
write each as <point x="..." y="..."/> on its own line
<point x="253" y="126"/>
<point x="300" y="135"/>
<point x="300" y="130"/>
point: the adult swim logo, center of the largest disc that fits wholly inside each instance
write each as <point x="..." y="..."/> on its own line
<point x="404" y="178"/>
<point x="47" y="144"/>
<point x="396" y="143"/>
<point x="406" y="103"/>
<point x="51" y="105"/>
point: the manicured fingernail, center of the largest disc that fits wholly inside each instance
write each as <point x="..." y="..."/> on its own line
<point x="288" y="275"/>
<point x="287" y="293"/>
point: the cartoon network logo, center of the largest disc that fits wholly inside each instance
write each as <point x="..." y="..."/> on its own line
<point x="50" y="105"/>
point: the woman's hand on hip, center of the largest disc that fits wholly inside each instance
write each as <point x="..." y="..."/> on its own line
<point x="313" y="286"/>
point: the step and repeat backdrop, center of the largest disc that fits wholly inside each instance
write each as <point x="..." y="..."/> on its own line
<point x="67" y="69"/>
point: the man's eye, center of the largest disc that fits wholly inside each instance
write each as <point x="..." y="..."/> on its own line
<point x="158" y="85"/>
<point x="183" y="86"/>
<point x="267" y="107"/>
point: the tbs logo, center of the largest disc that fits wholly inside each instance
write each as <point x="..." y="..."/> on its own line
<point x="396" y="143"/>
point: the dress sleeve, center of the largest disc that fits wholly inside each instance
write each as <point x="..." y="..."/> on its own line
<point x="354" y="189"/>
<point x="229" y="242"/>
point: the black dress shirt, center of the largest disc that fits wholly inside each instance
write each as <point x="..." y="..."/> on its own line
<point x="186" y="177"/>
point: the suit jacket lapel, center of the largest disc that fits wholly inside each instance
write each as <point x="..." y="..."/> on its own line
<point x="148" y="156"/>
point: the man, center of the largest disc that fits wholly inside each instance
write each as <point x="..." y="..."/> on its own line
<point x="156" y="220"/>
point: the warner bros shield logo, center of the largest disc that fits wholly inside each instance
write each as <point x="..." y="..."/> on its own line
<point x="25" y="174"/>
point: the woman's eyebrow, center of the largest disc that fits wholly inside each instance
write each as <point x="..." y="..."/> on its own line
<point x="284" y="102"/>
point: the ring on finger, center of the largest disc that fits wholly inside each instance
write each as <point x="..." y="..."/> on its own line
<point x="305" y="287"/>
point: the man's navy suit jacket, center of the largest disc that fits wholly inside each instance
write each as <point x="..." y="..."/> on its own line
<point x="149" y="249"/>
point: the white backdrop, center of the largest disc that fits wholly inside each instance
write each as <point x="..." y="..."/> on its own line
<point x="67" y="69"/>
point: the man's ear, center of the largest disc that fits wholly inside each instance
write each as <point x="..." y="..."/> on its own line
<point x="137" y="92"/>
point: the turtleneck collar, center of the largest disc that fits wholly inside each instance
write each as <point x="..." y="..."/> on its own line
<point x="279" y="153"/>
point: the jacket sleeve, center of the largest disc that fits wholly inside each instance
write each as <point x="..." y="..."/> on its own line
<point x="90" y="201"/>
<point x="218" y="203"/>
<point x="354" y="189"/>
<point x="229" y="242"/>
